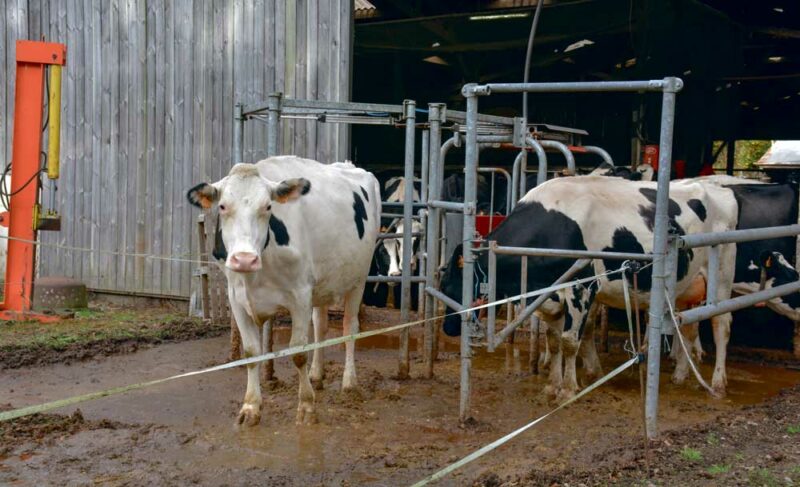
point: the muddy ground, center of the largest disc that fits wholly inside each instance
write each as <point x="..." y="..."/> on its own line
<point x="392" y="432"/>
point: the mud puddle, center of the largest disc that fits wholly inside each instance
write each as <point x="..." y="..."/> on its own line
<point x="392" y="432"/>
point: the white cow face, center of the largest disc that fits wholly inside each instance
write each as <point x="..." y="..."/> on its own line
<point x="245" y="200"/>
<point x="394" y="247"/>
<point x="647" y="172"/>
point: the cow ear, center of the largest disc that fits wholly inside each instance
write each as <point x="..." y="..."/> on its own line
<point x="203" y="195"/>
<point x="290" y="189"/>
<point x="766" y="259"/>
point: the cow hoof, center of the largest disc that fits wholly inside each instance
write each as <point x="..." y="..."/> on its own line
<point x="719" y="391"/>
<point x="565" y="395"/>
<point x="306" y="414"/>
<point x="249" y="415"/>
<point x="349" y="383"/>
<point x="550" y="392"/>
<point x="317" y="384"/>
<point x="678" y="379"/>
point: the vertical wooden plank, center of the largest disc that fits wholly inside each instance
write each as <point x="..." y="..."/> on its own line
<point x="182" y="207"/>
<point x="312" y="69"/>
<point x="280" y="61"/>
<point x="323" y="48"/>
<point x="85" y="134"/>
<point x="125" y="160"/>
<point x="197" y="164"/>
<point x="345" y="70"/>
<point x="96" y="123"/>
<point x="107" y="31"/>
<point x="159" y="123"/>
<point x="142" y="105"/>
<point x="258" y="141"/>
<point x="240" y="61"/>
<point x="229" y="81"/>
<point x="300" y="142"/>
<point x="170" y="139"/>
<point x="218" y="67"/>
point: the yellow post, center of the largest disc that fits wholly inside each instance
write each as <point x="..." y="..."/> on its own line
<point x="54" y="122"/>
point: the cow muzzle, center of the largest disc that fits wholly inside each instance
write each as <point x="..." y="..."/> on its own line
<point x="244" y="262"/>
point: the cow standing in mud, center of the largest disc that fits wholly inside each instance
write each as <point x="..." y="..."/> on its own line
<point x="604" y="214"/>
<point x="294" y="234"/>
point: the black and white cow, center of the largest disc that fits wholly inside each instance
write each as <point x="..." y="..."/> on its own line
<point x="643" y="172"/>
<point x="604" y="214"/>
<point x="758" y="205"/>
<point x="299" y="235"/>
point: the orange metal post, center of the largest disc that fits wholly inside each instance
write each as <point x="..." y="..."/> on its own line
<point x="32" y="58"/>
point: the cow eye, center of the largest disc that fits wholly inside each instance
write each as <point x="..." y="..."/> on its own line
<point x="222" y="208"/>
<point x="269" y="207"/>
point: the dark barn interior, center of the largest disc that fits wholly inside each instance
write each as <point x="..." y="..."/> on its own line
<point x="739" y="60"/>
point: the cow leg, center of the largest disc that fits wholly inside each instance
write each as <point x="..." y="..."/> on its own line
<point x="579" y="310"/>
<point x="268" y="367"/>
<point x="351" y="326"/>
<point x="689" y="332"/>
<point x="554" y="378"/>
<point x="588" y="349"/>
<point x="544" y="358"/>
<point x="301" y="316"/>
<point x="722" y="332"/>
<point x="320" y="318"/>
<point x="250" y="414"/>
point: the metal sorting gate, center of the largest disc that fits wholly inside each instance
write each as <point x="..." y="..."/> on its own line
<point x="478" y="131"/>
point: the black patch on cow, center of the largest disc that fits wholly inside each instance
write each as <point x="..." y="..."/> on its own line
<point x="763" y="205"/>
<point x="219" y="252"/>
<point x="624" y="240"/>
<point x="306" y="187"/>
<point x="360" y="214"/>
<point x="648" y="212"/>
<point x="279" y="229"/>
<point x="780" y="274"/>
<point x="582" y="298"/>
<point x="364" y="192"/>
<point x="391" y="188"/>
<point x="529" y="225"/>
<point x="698" y="207"/>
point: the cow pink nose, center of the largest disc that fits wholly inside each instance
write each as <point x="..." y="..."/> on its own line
<point x="245" y="262"/>
<point x="396" y="273"/>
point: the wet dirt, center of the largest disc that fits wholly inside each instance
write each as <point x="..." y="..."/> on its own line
<point x="37" y="354"/>
<point x="391" y="432"/>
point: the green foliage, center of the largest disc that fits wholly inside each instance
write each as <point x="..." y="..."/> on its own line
<point x="718" y="469"/>
<point x="691" y="454"/>
<point x="746" y="153"/>
<point x="793" y="429"/>
<point x="712" y="439"/>
<point x="762" y="477"/>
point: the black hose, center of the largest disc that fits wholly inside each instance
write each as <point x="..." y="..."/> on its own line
<point x="532" y="35"/>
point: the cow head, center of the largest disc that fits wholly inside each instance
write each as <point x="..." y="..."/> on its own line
<point x="394" y="248"/>
<point x="778" y="271"/>
<point x="244" y="199"/>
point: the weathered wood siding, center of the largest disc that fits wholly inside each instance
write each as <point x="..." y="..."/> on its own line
<point x="148" y="99"/>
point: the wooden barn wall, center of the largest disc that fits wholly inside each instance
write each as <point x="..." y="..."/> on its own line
<point x="148" y="100"/>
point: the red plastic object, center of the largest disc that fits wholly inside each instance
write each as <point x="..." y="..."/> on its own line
<point x="484" y="224"/>
<point x="651" y="156"/>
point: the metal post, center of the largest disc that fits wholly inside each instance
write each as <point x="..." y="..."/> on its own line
<point x="713" y="274"/>
<point x="408" y="212"/>
<point x="470" y="190"/>
<point x="238" y="134"/>
<point x="492" y="292"/>
<point x="658" y="290"/>
<point x="422" y="259"/>
<point x="541" y="176"/>
<point x="274" y="123"/>
<point x="433" y="228"/>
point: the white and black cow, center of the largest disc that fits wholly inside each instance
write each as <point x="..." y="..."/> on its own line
<point x="643" y="172"/>
<point x="298" y="235"/>
<point x="388" y="257"/>
<point x="603" y="214"/>
<point x="758" y="205"/>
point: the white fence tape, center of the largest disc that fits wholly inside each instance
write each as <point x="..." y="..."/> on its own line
<point x="493" y="445"/>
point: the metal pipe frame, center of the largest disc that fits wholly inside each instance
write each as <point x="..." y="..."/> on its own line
<point x="729" y="305"/>
<point x="574" y="254"/>
<point x="541" y="176"/>
<point x="665" y="85"/>
<point x="273" y="125"/>
<point x="505" y="173"/>
<point x="446" y="205"/>
<point x="394" y="279"/>
<point x="669" y="87"/>
<point x="435" y="162"/>
<point x="736" y="236"/>
<point x="470" y="190"/>
<point x="343" y="107"/>
<point x="386" y="236"/>
<point x="416" y="205"/>
<point x="552" y="144"/>
<point x="410" y="108"/>
<point x="447" y="300"/>
<point x="238" y="134"/>
<point x="593" y="149"/>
